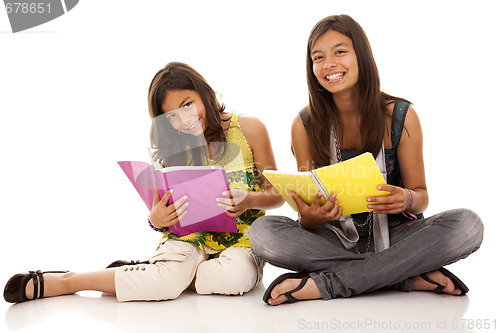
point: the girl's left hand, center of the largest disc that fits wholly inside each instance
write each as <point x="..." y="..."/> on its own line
<point x="395" y="203"/>
<point x="236" y="204"/>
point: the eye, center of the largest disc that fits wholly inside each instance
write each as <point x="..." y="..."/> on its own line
<point x="188" y="104"/>
<point x="340" y="52"/>
<point x="170" y="116"/>
<point x="317" y="58"/>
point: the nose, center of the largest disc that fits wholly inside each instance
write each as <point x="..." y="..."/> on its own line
<point x="185" y="119"/>
<point x="188" y="115"/>
<point x="330" y="62"/>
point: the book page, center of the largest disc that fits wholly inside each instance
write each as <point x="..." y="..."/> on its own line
<point x="353" y="180"/>
<point x="299" y="182"/>
<point x="202" y="185"/>
<point x="144" y="179"/>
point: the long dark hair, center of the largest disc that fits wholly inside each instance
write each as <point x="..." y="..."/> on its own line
<point x="371" y="102"/>
<point x="170" y="146"/>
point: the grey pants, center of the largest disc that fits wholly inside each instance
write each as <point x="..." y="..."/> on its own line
<point x="418" y="247"/>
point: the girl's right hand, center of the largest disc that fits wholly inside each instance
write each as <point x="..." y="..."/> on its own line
<point x="316" y="215"/>
<point x="163" y="215"/>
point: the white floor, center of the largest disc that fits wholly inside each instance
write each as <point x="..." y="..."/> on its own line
<point x="376" y="312"/>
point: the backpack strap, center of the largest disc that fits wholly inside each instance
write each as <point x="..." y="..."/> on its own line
<point x="303" y="116"/>
<point x="398" y="121"/>
<point x="397" y="125"/>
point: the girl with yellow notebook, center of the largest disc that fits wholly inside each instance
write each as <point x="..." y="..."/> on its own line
<point x="393" y="247"/>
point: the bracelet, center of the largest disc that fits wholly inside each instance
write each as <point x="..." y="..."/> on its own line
<point x="411" y="200"/>
<point x="155" y="228"/>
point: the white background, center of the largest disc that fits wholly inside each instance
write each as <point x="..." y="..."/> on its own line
<point x="73" y="102"/>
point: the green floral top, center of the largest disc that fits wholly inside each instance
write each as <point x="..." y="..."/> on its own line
<point x="241" y="174"/>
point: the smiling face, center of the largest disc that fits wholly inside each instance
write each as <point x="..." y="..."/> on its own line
<point x="185" y="111"/>
<point x="335" y="63"/>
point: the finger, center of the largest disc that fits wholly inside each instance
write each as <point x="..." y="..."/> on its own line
<point x="182" y="208"/>
<point x="339" y="214"/>
<point x="229" y="199"/>
<point x="386" y="209"/>
<point x="330" y="203"/>
<point x="301" y="205"/>
<point x="156" y="197"/>
<point x="225" y="206"/>
<point x="168" y="211"/>
<point x="238" y="196"/>
<point x="394" y="211"/>
<point x="180" y="201"/>
<point x="317" y="199"/>
<point x="383" y="189"/>
<point x="225" y="201"/>
<point x="385" y="206"/>
<point x="380" y="200"/>
<point x="334" y="209"/>
<point x="387" y="197"/>
<point x="181" y="216"/>
<point x="233" y="213"/>
<point x="176" y="220"/>
<point x="387" y="188"/>
<point x="166" y="197"/>
<point x="228" y="193"/>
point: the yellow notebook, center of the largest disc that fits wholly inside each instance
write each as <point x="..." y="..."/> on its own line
<point x="353" y="180"/>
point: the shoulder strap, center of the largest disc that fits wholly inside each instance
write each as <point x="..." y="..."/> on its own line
<point x="398" y="122"/>
<point x="303" y="116"/>
<point x="397" y="125"/>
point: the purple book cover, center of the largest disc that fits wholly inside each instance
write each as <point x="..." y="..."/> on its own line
<point x="202" y="185"/>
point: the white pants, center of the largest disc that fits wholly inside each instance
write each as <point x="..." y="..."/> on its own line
<point x="175" y="265"/>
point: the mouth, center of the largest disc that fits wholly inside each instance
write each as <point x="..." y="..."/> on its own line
<point x="193" y="125"/>
<point x="335" y="77"/>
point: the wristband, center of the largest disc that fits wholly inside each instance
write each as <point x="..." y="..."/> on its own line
<point x="155" y="228"/>
<point x="410" y="203"/>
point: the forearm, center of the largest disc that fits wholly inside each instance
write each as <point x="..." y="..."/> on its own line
<point x="420" y="201"/>
<point x="268" y="199"/>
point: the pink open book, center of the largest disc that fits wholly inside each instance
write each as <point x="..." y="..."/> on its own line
<point x="202" y="185"/>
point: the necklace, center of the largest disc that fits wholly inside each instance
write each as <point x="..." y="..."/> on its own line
<point x="369" y="219"/>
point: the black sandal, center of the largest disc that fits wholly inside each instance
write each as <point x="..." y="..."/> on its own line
<point x="456" y="281"/>
<point x="303" y="276"/>
<point x="120" y="263"/>
<point x="15" y="289"/>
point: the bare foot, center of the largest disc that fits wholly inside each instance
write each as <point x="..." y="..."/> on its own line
<point x="420" y="284"/>
<point x="309" y="291"/>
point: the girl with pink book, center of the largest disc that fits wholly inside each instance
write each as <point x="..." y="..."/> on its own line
<point x="190" y="127"/>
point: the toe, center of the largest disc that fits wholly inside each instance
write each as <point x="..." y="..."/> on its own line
<point x="277" y="301"/>
<point x="280" y="289"/>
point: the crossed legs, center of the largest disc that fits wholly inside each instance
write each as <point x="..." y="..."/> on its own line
<point x="421" y="247"/>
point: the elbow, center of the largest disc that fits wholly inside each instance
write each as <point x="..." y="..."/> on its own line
<point x="276" y="201"/>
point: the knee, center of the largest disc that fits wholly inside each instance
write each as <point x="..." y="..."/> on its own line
<point x="169" y="273"/>
<point x="170" y="283"/>
<point x="467" y="222"/>
<point x="234" y="272"/>
<point x="464" y="229"/>
<point x="263" y="235"/>
<point x="152" y="282"/>
<point x="257" y="235"/>
<point x="258" y="230"/>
